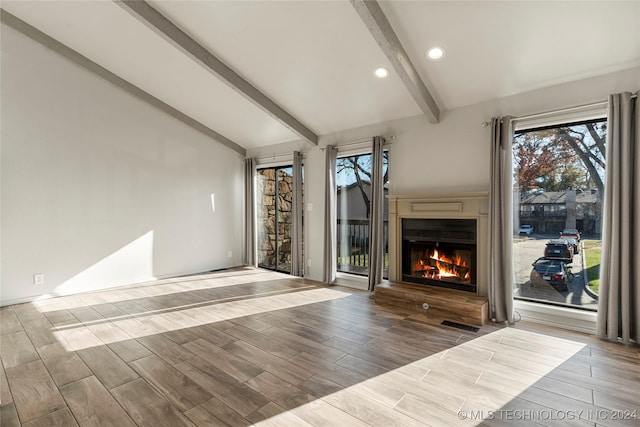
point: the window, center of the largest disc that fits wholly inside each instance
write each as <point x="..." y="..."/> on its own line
<point x="353" y="204"/>
<point x="559" y="175"/>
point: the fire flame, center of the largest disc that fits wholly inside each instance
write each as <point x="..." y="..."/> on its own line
<point x="444" y="266"/>
<point x="447" y="269"/>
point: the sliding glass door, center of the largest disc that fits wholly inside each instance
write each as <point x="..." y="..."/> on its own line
<point x="353" y="205"/>
<point x="274" y="197"/>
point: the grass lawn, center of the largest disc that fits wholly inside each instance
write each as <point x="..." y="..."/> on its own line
<point x="592" y="250"/>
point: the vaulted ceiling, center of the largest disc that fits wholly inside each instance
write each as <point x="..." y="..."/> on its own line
<point x="265" y="72"/>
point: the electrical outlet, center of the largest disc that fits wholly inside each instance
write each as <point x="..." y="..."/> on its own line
<point x="38" y="279"/>
<point x="229" y="254"/>
<point x="309" y="262"/>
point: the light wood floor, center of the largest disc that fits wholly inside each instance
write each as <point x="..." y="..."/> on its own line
<point x="249" y="347"/>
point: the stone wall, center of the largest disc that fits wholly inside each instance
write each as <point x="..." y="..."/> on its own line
<point x="274" y="208"/>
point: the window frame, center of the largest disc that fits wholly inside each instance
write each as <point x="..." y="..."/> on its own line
<point x="352" y="280"/>
<point x="277" y="227"/>
<point x="564" y="317"/>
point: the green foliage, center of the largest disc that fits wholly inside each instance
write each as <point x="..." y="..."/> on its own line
<point x="571" y="177"/>
<point x="593" y="250"/>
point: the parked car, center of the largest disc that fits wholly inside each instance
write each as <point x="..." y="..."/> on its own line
<point x="525" y="229"/>
<point x="574" y="244"/>
<point x="559" y="249"/>
<point x="570" y="232"/>
<point x="550" y="271"/>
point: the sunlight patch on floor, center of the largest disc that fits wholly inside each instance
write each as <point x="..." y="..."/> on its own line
<point x="445" y="388"/>
<point x="154" y="289"/>
<point x="81" y="336"/>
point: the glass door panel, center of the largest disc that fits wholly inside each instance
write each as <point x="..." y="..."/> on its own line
<point x="284" y="181"/>
<point x="266" y="205"/>
<point x="353" y="204"/>
<point x="274" y="201"/>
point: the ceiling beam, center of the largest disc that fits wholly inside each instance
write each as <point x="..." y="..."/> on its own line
<point x="381" y="30"/>
<point x="174" y="35"/>
<point x="81" y="60"/>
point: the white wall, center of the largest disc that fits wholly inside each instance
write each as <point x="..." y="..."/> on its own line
<point x="99" y="188"/>
<point x="452" y="156"/>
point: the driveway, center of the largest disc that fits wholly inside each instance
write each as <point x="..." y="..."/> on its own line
<point x="525" y="251"/>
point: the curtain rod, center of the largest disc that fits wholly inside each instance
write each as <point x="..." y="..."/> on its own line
<point x="274" y="156"/>
<point x="362" y="141"/>
<point x="562" y="110"/>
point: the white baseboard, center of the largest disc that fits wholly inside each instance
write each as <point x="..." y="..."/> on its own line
<point x="352" y="281"/>
<point x="559" y="317"/>
<point x="99" y="289"/>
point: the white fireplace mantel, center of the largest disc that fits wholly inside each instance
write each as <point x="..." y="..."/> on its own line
<point x="440" y="206"/>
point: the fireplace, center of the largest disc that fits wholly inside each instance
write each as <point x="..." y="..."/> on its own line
<point x="453" y="225"/>
<point x="440" y="252"/>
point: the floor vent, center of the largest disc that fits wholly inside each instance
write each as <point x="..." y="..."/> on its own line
<point x="460" y="326"/>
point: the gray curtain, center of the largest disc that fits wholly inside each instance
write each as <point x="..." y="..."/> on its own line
<point x="297" y="258"/>
<point x="619" y="303"/>
<point x="330" y="217"/>
<point x="376" y="220"/>
<point x="501" y="276"/>
<point x="249" y="211"/>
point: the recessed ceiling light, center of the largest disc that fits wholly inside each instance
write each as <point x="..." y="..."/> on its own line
<point x="435" y="53"/>
<point x="381" y="72"/>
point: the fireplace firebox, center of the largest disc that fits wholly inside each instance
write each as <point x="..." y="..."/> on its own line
<point x="440" y="252"/>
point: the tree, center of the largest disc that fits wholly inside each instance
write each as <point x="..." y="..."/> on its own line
<point x="571" y="177"/>
<point x="560" y="158"/>
<point x="357" y="169"/>
<point x="537" y="159"/>
<point x="588" y="142"/>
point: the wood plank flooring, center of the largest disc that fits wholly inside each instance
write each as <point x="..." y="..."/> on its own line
<point x="252" y="347"/>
